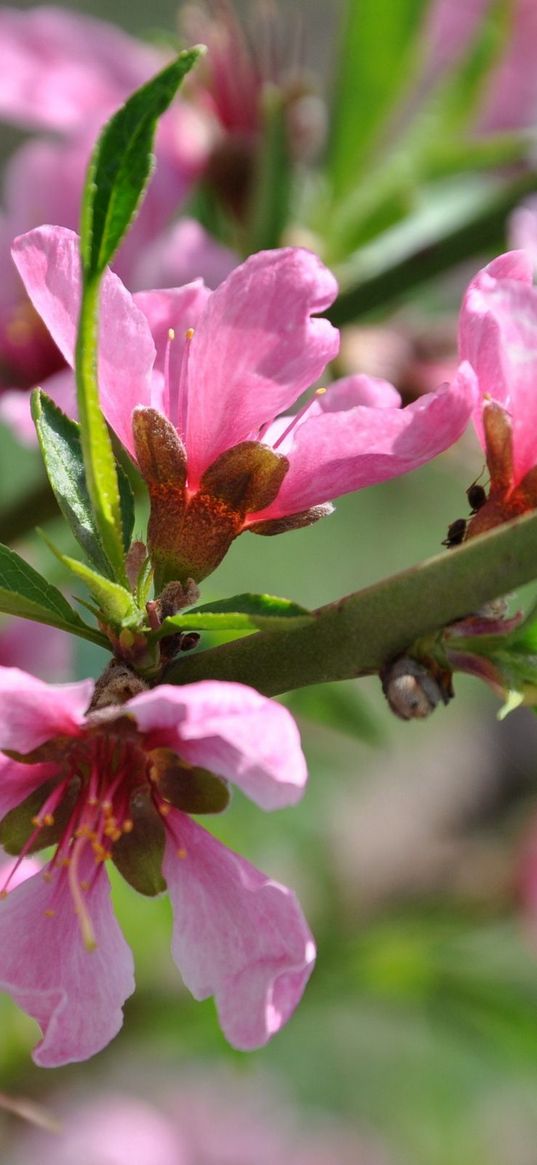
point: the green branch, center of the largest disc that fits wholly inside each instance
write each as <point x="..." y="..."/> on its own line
<point x="358" y="634"/>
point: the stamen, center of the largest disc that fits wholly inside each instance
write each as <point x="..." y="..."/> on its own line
<point x="298" y="417"/>
<point x="178" y="402"/>
<point x="167" y="355"/>
<point x="86" y="927"/>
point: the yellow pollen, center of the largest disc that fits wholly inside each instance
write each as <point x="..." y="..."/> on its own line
<point x="181" y="853"/>
<point x="128" y="825"/>
<point x="49" y="819"/>
<point x="107" y="808"/>
<point x="171" y="334"/>
<point x="93" y="802"/>
<point x="49" y="913"/>
<point x="189" y="334"/>
<point x="100" y="851"/>
<point x="320" y="391"/>
<point x="164" y="810"/>
<point x="37" y="821"/>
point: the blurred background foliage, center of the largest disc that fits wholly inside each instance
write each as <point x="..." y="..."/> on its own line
<point x="411" y="852"/>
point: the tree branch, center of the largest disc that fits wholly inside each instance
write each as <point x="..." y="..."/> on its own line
<point x="358" y="634"/>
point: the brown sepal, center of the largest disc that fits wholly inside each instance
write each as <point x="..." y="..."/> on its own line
<point x="242" y="480"/>
<point x="292" y="522"/>
<point x="161" y="457"/>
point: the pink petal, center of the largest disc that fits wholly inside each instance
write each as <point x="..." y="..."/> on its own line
<point x="182" y="254"/>
<point x="178" y="309"/>
<point x="32" y="712"/>
<point x="498" y="336"/>
<point x="48" y="262"/>
<point x="256" y="349"/>
<point x="75" y="995"/>
<point x="18" y="781"/>
<point x="59" y="69"/>
<point x="17" y="871"/>
<point x="237" y="935"/>
<point x="231" y="730"/>
<point x="339" y="447"/>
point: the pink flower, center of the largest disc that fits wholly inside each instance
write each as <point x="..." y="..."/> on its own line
<point x="45" y="650"/>
<point x="67" y="73"/>
<point x="253" y="59"/>
<point x="192" y="1117"/>
<point x="498" y="337"/>
<point x="118" y="782"/>
<point x="152" y="252"/>
<point x="200" y="412"/>
<point x="59" y="69"/>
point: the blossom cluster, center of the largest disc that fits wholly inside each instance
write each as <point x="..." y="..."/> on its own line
<point x="201" y="360"/>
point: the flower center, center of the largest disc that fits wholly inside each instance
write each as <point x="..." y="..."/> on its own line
<point x="88" y="810"/>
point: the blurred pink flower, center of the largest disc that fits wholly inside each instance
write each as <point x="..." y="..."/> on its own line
<point x="254" y="57"/>
<point x="203" y="1118"/>
<point x="58" y="69"/>
<point x="33" y="647"/>
<point x="498" y="337"/>
<point x="522" y="231"/>
<point x="153" y="253"/>
<point x="66" y="72"/>
<point x="239" y="356"/>
<point x="509" y="99"/>
<point x="118" y="782"/>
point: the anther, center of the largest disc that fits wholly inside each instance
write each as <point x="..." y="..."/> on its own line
<point x="298" y="416"/>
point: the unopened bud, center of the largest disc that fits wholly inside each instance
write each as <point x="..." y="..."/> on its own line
<point x="410" y="689"/>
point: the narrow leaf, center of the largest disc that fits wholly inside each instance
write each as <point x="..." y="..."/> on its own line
<point x="246" y="612"/>
<point x="24" y="592"/>
<point x="59" y="441"/>
<point x="115" y="602"/>
<point x="121" y="164"/>
<point x="116" y="180"/>
<point x="379" y="45"/>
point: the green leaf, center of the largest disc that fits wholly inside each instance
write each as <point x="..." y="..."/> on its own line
<point x="126" y="505"/>
<point x="337" y="706"/>
<point x="379" y="45"/>
<point x="121" y="164"/>
<point x="269" y="212"/>
<point x="59" y="441"/>
<point x="420" y="249"/>
<point x="246" y="612"/>
<point x="99" y="461"/>
<point x="117" y="175"/>
<point x="24" y="592"/>
<point x="116" y="602"/>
